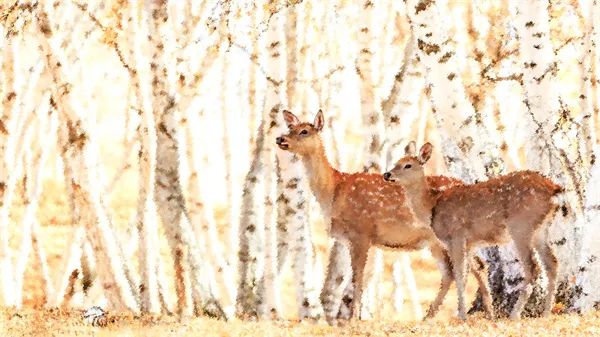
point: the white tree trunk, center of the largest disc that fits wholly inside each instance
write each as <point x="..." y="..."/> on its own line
<point x="588" y="295"/>
<point x="401" y="107"/>
<point x="252" y="233"/>
<point x="168" y="192"/>
<point x="588" y="286"/>
<point x="589" y="98"/>
<point x="146" y="221"/>
<point x="17" y="106"/>
<point x="251" y="227"/>
<point x="293" y="199"/>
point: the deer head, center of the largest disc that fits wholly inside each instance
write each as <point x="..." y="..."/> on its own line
<point x="410" y="168"/>
<point x="303" y="138"/>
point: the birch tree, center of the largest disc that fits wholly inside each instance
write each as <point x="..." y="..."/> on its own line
<point x="185" y="249"/>
<point x="14" y="126"/>
<point x="252" y="231"/>
<point x="293" y="199"/>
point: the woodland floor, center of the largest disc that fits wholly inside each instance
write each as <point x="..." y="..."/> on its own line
<point x="31" y="322"/>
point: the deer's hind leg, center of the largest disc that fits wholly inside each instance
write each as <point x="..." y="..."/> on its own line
<point x="523" y="242"/>
<point x="479" y="270"/>
<point x="549" y="261"/>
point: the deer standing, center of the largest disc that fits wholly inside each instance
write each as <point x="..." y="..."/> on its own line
<point x="517" y="206"/>
<point x="364" y="209"/>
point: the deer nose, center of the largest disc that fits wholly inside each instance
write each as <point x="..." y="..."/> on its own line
<point x="387" y="176"/>
<point x="279" y="140"/>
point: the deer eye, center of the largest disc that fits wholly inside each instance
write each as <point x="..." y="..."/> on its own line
<point x="304" y="132"/>
<point x="407" y="166"/>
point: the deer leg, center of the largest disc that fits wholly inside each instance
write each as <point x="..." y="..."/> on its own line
<point x="458" y="256"/>
<point x="550" y="262"/>
<point x="445" y="266"/>
<point x="479" y="270"/>
<point x="359" y="250"/>
<point x="525" y="250"/>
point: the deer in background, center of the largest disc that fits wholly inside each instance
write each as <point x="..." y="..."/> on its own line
<point x="517" y="206"/>
<point x="365" y="210"/>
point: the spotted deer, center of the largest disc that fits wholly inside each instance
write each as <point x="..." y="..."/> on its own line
<point x="517" y="206"/>
<point x="364" y="209"/>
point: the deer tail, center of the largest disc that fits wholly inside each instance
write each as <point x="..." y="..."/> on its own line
<point x="557" y="189"/>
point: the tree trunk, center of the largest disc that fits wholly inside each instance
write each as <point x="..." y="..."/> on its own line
<point x="251" y="227"/>
<point x="587" y="290"/>
<point x="252" y="233"/>
<point x="168" y="193"/>
<point x="293" y="199"/>
<point x="146" y="221"/>
<point x="589" y="97"/>
<point x="275" y="95"/>
<point x="587" y="293"/>
<point x="15" y="124"/>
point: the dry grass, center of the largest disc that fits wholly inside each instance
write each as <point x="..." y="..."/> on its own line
<point x="56" y="323"/>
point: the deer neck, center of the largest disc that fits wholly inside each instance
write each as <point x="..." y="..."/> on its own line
<point x="421" y="200"/>
<point x="321" y="178"/>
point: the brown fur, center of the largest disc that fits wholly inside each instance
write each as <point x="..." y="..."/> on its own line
<point x="515" y="206"/>
<point x="364" y="209"/>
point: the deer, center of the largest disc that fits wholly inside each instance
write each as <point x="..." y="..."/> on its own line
<point x="518" y="206"/>
<point x="364" y="210"/>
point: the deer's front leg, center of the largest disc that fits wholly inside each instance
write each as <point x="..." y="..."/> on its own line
<point x="359" y="249"/>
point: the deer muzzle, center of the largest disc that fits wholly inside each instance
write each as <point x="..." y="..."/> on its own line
<point x="283" y="144"/>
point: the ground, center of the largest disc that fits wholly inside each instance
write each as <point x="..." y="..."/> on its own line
<point x="58" y="324"/>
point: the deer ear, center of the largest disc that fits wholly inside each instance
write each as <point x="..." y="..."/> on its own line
<point x="319" y="121"/>
<point x="290" y="118"/>
<point x="425" y="153"/>
<point x="410" y="149"/>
